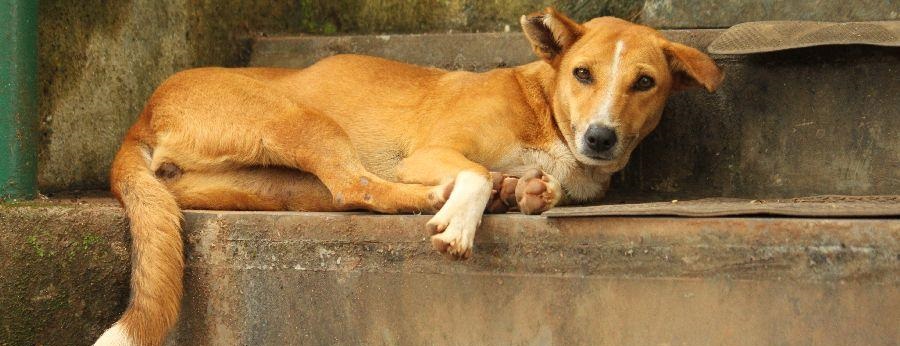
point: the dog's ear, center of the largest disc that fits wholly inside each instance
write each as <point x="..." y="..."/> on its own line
<point x="692" y="68"/>
<point x="550" y="33"/>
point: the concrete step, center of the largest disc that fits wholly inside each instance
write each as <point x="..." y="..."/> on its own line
<point x="819" y="120"/>
<point x="259" y="278"/>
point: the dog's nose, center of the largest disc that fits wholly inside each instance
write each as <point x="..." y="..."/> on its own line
<point x="600" y="139"/>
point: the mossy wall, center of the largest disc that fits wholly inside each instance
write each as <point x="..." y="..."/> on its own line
<point x="100" y="60"/>
<point x="63" y="272"/>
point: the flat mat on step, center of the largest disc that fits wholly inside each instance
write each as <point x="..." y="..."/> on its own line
<point x="768" y="36"/>
<point x="817" y="206"/>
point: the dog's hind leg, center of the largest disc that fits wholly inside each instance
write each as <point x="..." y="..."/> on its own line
<point x="321" y="147"/>
<point x="250" y="124"/>
<point x="250" y="188"/>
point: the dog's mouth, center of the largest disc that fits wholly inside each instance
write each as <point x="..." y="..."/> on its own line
<point x="613" y="160"/>
<point x="598" y="160"/>
<point x="604" y="158"/>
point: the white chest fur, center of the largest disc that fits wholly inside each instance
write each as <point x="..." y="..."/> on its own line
<point x="581" y="183"/>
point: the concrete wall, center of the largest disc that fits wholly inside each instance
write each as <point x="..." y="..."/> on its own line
<point x="100" y="60"/>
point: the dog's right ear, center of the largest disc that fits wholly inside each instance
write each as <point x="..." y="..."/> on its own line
<point x="551" y="33"/>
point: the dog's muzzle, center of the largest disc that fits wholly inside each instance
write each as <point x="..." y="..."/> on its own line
<point x="600" y="142"/>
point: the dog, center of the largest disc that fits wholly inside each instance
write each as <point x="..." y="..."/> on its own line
<point x="354" y="132"/>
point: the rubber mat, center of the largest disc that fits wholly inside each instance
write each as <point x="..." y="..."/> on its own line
<point x="817" y="206"/>
<point x="769" y="36"/>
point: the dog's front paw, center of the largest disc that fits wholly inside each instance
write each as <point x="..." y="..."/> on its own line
<point x="503" y="193"/>
<point x="537" y="192"/>
<point x="453" y="237"/>
<point x="453" y="227"/>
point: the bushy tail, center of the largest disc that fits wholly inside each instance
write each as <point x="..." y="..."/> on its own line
<point x="157" y="262"/>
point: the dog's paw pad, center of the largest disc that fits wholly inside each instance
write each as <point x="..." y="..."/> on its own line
<point x="503" y="193"/>
<point x="536" y="192"/>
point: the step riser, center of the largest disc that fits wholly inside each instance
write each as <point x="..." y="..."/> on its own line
<point x="313" y="278"/>
<point x="798" y="123"/>
<point x="819" y="120"/>
<point x="289" y="307"/>
<point x="261" y="279"/>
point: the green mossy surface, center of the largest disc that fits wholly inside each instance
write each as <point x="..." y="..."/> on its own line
<point x="56" y="263"/>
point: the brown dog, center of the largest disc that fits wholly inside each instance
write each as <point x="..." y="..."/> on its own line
<point x="354" y="132"/>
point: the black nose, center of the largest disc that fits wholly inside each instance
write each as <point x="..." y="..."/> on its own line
<point x="600" y="139"/>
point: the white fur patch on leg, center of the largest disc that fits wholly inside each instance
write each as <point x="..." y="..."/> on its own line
<point x="114" y="336"/>
<point x="457" y="220"/>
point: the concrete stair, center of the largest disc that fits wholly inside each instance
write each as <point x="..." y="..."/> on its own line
<point x="812" y="121"/>
<point x="257" y="278"/>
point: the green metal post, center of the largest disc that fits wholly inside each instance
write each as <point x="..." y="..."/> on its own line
<point x="18" y="99"/>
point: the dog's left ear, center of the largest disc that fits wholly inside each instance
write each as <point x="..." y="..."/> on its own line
<point x="551" y="33"/>
<point x="691" y="68"/>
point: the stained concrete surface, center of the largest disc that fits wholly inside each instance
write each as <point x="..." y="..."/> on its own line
<point x="324" y="278"/>
<point x="804" y="122"/>
<point x="289" y="307"/>
<point x="350" y="278"/>
<point x="99" y="62"/>
<point x="63" y="272"/>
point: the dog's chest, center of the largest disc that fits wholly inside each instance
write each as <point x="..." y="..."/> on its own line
<point x="581" y="182"/>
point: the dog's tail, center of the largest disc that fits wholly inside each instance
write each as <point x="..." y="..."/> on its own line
<point x="156" y="251"/>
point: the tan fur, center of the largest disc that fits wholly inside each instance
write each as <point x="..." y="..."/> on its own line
<point x="355" y="132"/>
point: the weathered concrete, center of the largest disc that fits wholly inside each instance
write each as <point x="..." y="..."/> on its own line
<point x="351" y="278"/>
<point x="794" y="123"/>
<point x="100" y="61"/>
<point x="803" y="122"/>
<point x="418" y="16"/>
<point x="725" y="13"/>
<point x="63" y="272"/>
<point x="288" y="278"/>
<point x="467" y="51"/>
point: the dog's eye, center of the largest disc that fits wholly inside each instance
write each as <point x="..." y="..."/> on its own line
<point x="643" y="83"/>
<point x="583" y="75"/>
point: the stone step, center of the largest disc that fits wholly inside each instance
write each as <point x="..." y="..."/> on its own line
<point x="819" y="120"/>
<point x="262" y="278"/>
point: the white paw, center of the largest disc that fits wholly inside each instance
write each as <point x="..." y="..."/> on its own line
<point x="454" y="225"/>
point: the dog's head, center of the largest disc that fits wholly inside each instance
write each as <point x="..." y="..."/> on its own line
<point x="612" y="81"/>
